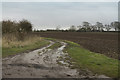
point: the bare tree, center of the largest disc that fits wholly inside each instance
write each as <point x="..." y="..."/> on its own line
<point x="86" y="25"/>
<point x="99" y="26"/>
<point x="116" y="25"/>
<point x="72" y="28"/>
<point x="108" y="27"/>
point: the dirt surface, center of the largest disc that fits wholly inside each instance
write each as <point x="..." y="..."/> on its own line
<point x="42" y="63"/>
<point x="100" y="42"/>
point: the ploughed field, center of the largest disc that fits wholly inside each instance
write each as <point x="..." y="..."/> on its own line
<point x="99" y="42"/>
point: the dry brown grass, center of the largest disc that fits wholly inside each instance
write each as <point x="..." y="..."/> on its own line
<point x="9" y="40"/>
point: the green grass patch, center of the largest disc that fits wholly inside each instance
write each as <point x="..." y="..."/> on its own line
<point x="56" y="45"/>
<point x="51" y="39"/>
<point x="19" y="49"/>
<point x="97" y="63"/>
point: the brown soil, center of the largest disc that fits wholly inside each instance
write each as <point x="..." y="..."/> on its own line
<point x="104" y="42"/>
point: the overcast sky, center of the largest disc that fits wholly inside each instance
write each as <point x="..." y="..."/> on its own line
<point x="47" y="15"/>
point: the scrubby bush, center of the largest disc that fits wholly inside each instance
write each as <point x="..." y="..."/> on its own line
<point x="9" y="27"/>
<point x="25" y="26"/>
<point x="18" y="30"/>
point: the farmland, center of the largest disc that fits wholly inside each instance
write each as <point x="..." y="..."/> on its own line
<point x="100" y="42"/>
<point x="60" y="40"/>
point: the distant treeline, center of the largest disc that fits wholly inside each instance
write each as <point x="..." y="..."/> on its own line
<point x="87" y="27"/>
<point x="23" y="27"/>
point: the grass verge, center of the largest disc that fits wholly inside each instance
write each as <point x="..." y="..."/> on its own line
<point x="56" y="45"/>
<point x="7" y="51"/>
<point x="95" y="62"/>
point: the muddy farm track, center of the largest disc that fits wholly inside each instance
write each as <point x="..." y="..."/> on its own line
<point x="42" y="63"/>
<point x="100" y="42"/>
